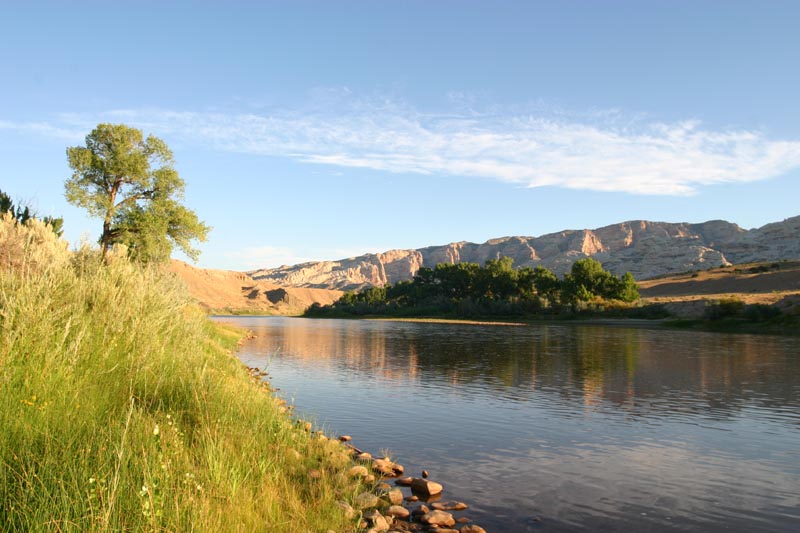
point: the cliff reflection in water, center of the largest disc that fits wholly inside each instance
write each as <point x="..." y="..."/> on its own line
<point x="637" y="371"/>
<point x="588" y="427"/>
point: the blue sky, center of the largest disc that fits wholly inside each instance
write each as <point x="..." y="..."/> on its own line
<point x="321" y="130"/>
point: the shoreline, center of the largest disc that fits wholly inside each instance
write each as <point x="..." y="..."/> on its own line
<point x="790" y="325"/>
<point x="412" y="504"/>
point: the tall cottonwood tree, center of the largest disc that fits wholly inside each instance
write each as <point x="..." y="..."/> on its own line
<point x="131" y="183"/>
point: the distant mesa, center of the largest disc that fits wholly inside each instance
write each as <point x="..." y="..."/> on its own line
<point x="646" y="249"/>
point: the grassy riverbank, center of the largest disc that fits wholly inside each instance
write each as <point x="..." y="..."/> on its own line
<point x="122" y="408"/>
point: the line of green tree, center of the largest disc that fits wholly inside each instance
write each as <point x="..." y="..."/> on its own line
<point x="468" y="289"/>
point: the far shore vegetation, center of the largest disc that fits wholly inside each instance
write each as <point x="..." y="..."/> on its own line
<point x="496" y="292"/>
<point x="122" y="407"/>
<point x="468" y="290"/>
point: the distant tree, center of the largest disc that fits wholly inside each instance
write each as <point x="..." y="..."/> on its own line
<point x="498" y="279"/>
<point x="20" y="213"/>
<point x="626" y="290"/>
<point x="130" y="183"/>
<point x="538" y="281"/>
<point x="587" y="280"/>
<point x="457" y="280"/>
<point x="23" y="213"/>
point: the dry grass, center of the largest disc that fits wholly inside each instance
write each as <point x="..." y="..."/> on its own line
<point x="122" y="408"/>
<point x="762" y="283"/>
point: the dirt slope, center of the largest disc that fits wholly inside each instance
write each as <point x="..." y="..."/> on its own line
<point x="236" y="292"/>
<point x="756" y="283"/>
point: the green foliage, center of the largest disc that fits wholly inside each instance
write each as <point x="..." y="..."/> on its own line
<point x="469" y="290"/>
<point x="23" y="213"/>
<point x="122" y="409"/>
<point x="130" y="183"/>
<point x="587" y="280"/>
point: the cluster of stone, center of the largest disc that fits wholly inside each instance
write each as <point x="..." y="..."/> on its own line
<point x="390" y="509"/>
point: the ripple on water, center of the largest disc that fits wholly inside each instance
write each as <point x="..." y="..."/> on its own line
<point x="561" y="428"/>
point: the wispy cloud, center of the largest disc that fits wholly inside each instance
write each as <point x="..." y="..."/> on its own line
<point x="46" y="129"/>
<point x="597" y="150"/>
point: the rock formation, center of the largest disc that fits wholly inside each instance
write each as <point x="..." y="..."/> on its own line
<point x="227" y="291"/>
<point x="646" y="249"/>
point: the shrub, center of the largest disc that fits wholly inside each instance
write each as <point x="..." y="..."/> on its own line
<point x="724" y="308"/>
<point x="761" y="312"/>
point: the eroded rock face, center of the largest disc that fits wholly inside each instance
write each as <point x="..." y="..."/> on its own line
<point x="646" y="249"/>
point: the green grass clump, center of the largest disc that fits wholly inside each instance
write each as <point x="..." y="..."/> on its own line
<point x="122" y="408"/>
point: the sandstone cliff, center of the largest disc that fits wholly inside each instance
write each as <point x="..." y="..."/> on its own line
<point x="235" y="292"/>
<point x="646" y="249"/>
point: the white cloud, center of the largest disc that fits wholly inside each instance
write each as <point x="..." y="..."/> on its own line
<point x="45" y="129"/>
<point x="597" y="150"/>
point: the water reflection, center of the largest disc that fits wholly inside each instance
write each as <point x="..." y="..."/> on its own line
<point x="587" y="427"/>
<point x="639" y="371"/>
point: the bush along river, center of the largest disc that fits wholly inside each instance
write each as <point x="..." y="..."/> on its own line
<point x="558" y="427"/>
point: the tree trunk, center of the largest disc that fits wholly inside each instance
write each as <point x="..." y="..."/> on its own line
<point x="105" y="238"/>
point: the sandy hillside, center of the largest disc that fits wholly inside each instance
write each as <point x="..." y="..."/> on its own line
<point x="762" y="283"/>
<point x="229" y="291"/>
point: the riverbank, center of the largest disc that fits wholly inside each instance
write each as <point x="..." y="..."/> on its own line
<point x="123" y="408"/>
<point x="412" y="504"/>
<point x="773" y="325"/>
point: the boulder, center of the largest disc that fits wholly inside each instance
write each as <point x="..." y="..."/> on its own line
<point x="365" y="500"/>
<point x="377" y="520"/>
<point x="438" y="518"/>
<point x="358" y="471"/>
<point x="387" y="468"/>
<point x="422" y="510"/>
<point x="449" y="506"/>
<point x="395" y="496"/>
<point x="398" y="511"/>
<point x="472" y="529"/>
<point x="426" y="487"/>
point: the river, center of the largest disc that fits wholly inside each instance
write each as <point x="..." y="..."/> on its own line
<point x="559" y="427"/>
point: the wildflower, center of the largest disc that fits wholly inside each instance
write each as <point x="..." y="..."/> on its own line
<point x="156" y="431"/>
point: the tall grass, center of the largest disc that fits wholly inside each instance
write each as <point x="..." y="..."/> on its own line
<point x="122" y="408"/>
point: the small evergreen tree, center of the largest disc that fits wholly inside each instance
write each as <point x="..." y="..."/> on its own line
<point x="23" y="213"/>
